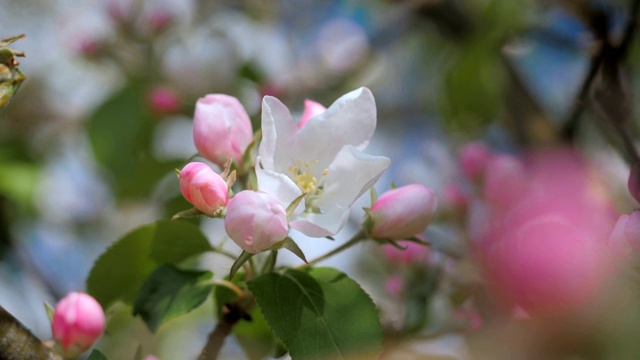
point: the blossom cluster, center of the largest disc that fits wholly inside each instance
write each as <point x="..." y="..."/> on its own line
<point x="307" y="173"/>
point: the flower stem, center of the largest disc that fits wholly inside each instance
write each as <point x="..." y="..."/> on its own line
<point x="220" y="332"/>
<point x="359" y="236"/>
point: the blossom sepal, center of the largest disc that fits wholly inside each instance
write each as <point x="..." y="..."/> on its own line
<point x="243" y="258"/>
<point x="291" y="245"/>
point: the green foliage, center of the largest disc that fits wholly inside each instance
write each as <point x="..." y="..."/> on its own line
<point x="121" y="135"/>
<point x="473" y="87"/>
<point x="96" y="355"/>
<point x="122" y="268"/>
<point x="18" y="180"/>
<point x="169" y="292"/>
<point x="319" y="314"/>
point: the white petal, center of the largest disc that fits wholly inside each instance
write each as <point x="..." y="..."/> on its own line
<point x="350" y="175"/>
<point x="279" y="186"/>
<point x="319" y="225"/>
<point x="278" y="135"/>
<point x="350" y="120"/>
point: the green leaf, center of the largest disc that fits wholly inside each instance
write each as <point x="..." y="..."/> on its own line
<point x="255" y="336"/>
<point x="96" y="355"/>
<point x="119" y="271"/>
<point x="169" y="292"/>
<point x="175" y="241"/>
<point x="319" y="314"/>
<point x="122" y="268"/>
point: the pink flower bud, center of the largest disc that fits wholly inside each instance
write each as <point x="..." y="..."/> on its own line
<point x="413" y="253"/>
<point x="255" y="220"/>
<point x="455" y="197"/>
<point x="203" y="188"/>
<point x="403" y="212"/>
<point x="78" y="321"/>
<point x="474" y="158"/>
<point x="311" y="109"/>
<point x="634" y="181"/>
<point x="163" y="101"/>
<point x="625" y="237"/>
<point x="394" y="286"/>
<point x="221" y="129"/>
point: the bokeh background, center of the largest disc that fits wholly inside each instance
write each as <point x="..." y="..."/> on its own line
<point x="89" y="144"/>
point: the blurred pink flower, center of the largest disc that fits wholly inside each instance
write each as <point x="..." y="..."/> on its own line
<point x="255" y="220"/>
<point x="78" y="321"/>
<point x="545" y="241"/>
<point x="394" y="286"/>
<point x="473" y="159"/>
<point x="413" y="253"/>
<point x="163" y="100"/>
<point x="403" y="212"/>
<point x="203" y="188"/>
<point x="221" y="129"/>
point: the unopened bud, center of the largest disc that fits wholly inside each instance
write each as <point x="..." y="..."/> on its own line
<point x="163" y="101"/>
<point x="403" y="212"/>
<point x="221" y="129"/>
<point x="474" y="158"/>
<point x="311" y="109"/>
<point x="203" y="188"/>
<point x="256" y="221"/>
<point x="78" y="321"/>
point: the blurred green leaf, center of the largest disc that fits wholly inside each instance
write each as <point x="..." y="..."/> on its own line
<point x="319" y="314"/>
<point x="122" y="268"/>
<point x="169" y="292"/>
<point x="18" y="181"/>
<point x="121" y="133"/>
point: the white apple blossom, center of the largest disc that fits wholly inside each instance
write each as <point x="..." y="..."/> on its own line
<point x="323" y="159"/>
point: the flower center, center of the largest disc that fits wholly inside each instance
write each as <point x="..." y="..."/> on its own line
<point x="306" y="181"/>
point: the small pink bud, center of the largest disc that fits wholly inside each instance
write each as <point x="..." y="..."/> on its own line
<point x="394" y="286"/>
<point x="256" y="220"/>
<point x="474" y="158"/>
<point x="311" y="109"/>
<point x="159" y="20"/>
<point x="455" y="197"/>
<point x="413" y="253"/>
<point x="203" y="188"/>
<point x="403" y="212"/>
<point x="221" y="129"/>
<point x="78" y="321"/>
<point x="625" y="237"/>
<point x="163" y="100"/>
<point x="634" y="181"/>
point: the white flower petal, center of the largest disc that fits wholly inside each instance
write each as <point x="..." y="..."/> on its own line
<point x="350" y="175"/>
<point x="278" y="135"/>
<point x="319" y="225"/>
<point x="350" y="120"/>
<point x="279" y="186"/>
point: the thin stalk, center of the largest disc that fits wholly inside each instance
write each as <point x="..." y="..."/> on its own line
<point x="359" y="236"/>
